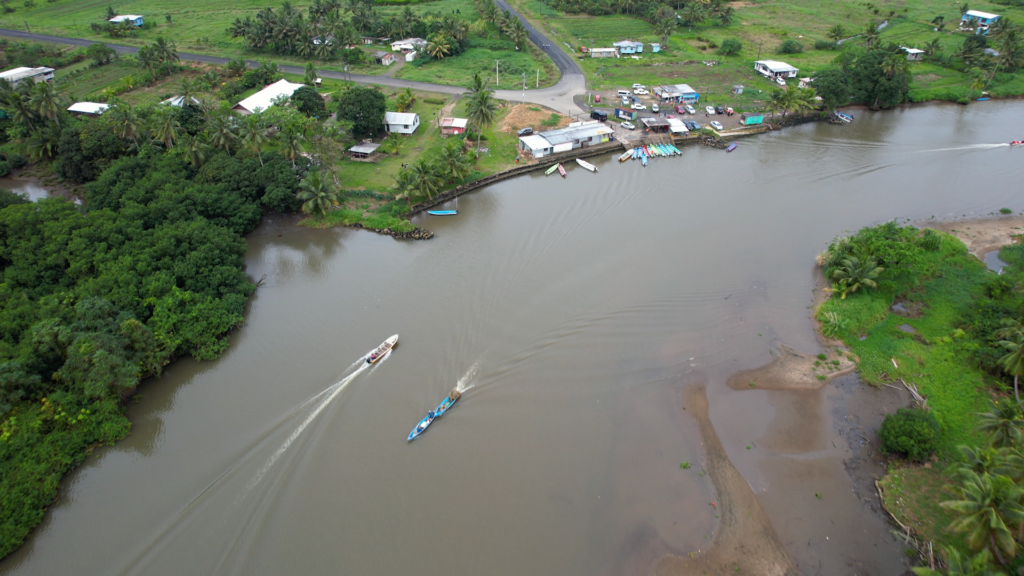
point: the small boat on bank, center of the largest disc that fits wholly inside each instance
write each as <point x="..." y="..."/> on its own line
<point x="586" y="165"/>
<point x="625" y="155"/>
<point x="731" y="147"/>
<point x="442" y="212"/>
<point x="643" y="159"/>
<point x="435" y="414"/>
<point x="551" y="169"/>
<point x="844" y="117"/>
<point x="561" y="170"/>
<point x="382" y="350"/>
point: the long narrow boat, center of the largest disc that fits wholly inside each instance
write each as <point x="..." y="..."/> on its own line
<point x="561" y="170"/>
<point x="434" y="414"/>
<point x="625" y="156"/>
<point x="664" y="150"/>
<point x="635" y="153"/>
<point x="731" y="147"/>
<point x="643" y="159"/>
<point x="643" y="148"/>
<point x="551" y="169"/>
<point x="677" y="150"/>
<point x="586" y="165"/>
<point x="382" y="350"/>
<point x="442" y="212"/>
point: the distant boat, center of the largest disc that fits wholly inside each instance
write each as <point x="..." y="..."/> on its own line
<point x="844" y="117"/>
<point x="731" y="147"/>
<point x="446" y="212"/>
<point x="382" y="350"/>
<point x="550" y="170"/>
<point x="1017" y="143"/>
<point x="676" y="150"/>
<point x="434" y="414"/>
<point x="625" y="155"/>
<point x="586" y="165"/>
<point x="982" y="99"/>
<point x="561" y="170"/>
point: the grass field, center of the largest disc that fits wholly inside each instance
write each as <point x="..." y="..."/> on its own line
<point x="762" y="27"/>
<point x="459" y="71"/>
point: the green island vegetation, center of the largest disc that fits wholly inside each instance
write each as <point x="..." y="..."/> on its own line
<point x="915" y="307"/>
<point x="337" y="36"/>
<point x="100" y="295"/>
<point x="803" y="33"/>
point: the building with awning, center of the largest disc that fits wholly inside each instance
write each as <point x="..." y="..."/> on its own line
<point x="363" y="150"/>
<point x="656" y="124"/>
<point x="265" y="98"/>
<point x="676" y="126"/>
<point x="453" y="126"/>
<point x="775" y="69"/>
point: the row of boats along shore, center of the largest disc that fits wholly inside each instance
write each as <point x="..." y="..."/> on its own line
<point x="383" y="350"/>
<point x="642" y="153"/>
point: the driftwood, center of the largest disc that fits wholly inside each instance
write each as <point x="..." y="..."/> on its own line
<point x="921" y="401"/>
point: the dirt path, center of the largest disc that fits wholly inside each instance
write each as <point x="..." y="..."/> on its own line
<point x="983" y="235"/>
<point x="745" y="542"/>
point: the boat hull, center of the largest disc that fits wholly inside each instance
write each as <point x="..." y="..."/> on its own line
<point x="442" y="212"/>
<point x="561" y="171"/>
<point x="551" y="169"/>
<point x="382" y="350"/>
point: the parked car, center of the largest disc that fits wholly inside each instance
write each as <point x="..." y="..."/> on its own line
<point x="654" y="108"/>
<point x="598" y="115"/>
<point x="780" y="80"/>
<point x="729" y="112"/>
<point x="626" y="101"/>
<point x="710" y="110"/>
<point x="717" y="125"/>
<point x="640" y="91"/>
<point x="526" y="131"/>
<point x="690" y="110"/>
<point x="719" y="110"/>
<point x="637" y="106"/>
<point x="693" y="126"/>
<point x="639" y="86"/>
<point x="628" y="126"/>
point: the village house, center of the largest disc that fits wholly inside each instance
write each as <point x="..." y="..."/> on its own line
<point x="536" y="145"/>
<point x="629" y="47"/>
<point x="135" y="19"/>
<point x="453" y="126"/>
<point x="401" y="122"/>
<point x="363" y="150"/>
<point x="656" y="125"/>
<point x="87" y="108"/>
<point x="655" y="47"/>
<point x="604" y="53"/>
<point x="384" y="58"/>
<point x="265" y="98"/>
<point x="775" y="69"/>
<point x="913" y="54"/>
<point x="677" y="93"/>
<point x="409" y="45"/>
<point x="978" y="20"/>
<point x="15" y="75"/>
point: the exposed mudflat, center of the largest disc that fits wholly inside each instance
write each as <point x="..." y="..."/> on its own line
<point x="982" y="235"/>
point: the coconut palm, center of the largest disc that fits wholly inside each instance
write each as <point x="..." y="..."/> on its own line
<point x="958" y="564"/>
<point x="165" y="127"/>
<point x="317" y="193"/>
<point x="166" y="51"/>
<point x="1012" y="340"/>
<point x="517" y="32"/>
<point x="439" y="46"/>
<point x="776" y="101"/>
<point x="127" y="124"/>
<point x="987" y="506"/>
<point x="424" y="178"/>
<point x="933" y="50"/>
<point x="42" y="142"/>
<point x="192" y="149"/>
<point x="311" y="74"/>
<point x="871" y="34"/>
<point x="48" y="101"/>
<point x="693" y="14"/>
<point x="222" y="132"/>
<point x="1002" y="424"/>
<point x="853" y="272"/>
<point x="893" y="64"/>
<point x="482" y="110"/>
<point x="836" y="33"/>
<point x="188" y="89"/>
<point x="405" y="183"/>
<point x="392" y="143"/>
<point x="452" y="163"/>
<point x="291" y="143"/>
<point x="663" y="28"/>
<point x="253" y="134"/>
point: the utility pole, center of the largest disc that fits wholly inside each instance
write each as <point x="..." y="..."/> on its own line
<point x="27" y="28"/>
<point x="759" y="49"/>
<point x="538" y="78"/>
<point x="524" y="88"/>
<point x="497" y="82"/>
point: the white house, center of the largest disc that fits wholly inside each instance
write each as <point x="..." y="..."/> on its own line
<point x="384" y="58"/>
<point x="982" y="19"/>
<point x="604" y="53"/>
<point x="15" y="75"/>
<point x="88" y="108"/>
<point x="536" y="145"/>
<point x="135" y="19"/>
<point x="913" y="54"/>
<point x="629" y="47"/>
<point x="265" y="98"/>
<point x="401" y="122"/>
<point x="775" y="69"/>
<point x="409" y="45"/>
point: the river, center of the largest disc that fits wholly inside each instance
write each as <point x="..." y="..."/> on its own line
<point x="577" y="309"/>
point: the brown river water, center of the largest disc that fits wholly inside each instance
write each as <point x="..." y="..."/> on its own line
<point x="577" y="310"/>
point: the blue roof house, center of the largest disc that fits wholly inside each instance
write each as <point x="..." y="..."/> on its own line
<point x="978" y="20"/>
<point x="629" y="47"/>
<point x="134" y="19"/>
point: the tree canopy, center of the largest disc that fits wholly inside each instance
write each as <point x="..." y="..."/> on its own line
<point x="364" y="108"/>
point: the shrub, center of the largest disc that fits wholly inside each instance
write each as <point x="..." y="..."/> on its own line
<point x="436" y="101"/>
<point x="730" y="47"/>
<point x="1005" y="211"/>
<point x="930" y="240"/>
<point x="5" y="169"/>
<point x="910" y="432"/>
<point x="791" y="47"/>
<point x="824" y="45"/>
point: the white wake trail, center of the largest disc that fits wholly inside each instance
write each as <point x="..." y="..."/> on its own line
<point x="970" y="147"/>
<point x="464" y="382"/>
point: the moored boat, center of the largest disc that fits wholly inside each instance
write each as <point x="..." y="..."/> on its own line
<point x="561" y="170"/>
<point x="551" y="169"/>
<point x="844" y="117"/>
<point x="434" y="414"/>
<point x="625" y="155"/>
<point x="586" y="165"/>
<point x="382" y="350"/>
<point x="731" y="147"/>
<point x="442" y="212"/>
<point x="643" y="159"/>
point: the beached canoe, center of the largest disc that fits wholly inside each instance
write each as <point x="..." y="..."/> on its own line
<point x="586" y="165"/>
<point x="382" y="350"/>
<point x="731" y="147"/>
<point x="643" y="159"/>
<point x="434" y="414"/>
<point x="625" y="156"/>
<point x="551" y="169"/>
<point x="442" y="212"/>
<point x="561" y="170"/>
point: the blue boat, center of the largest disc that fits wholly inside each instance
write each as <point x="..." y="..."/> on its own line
<point x="643" y="159"/>
<point x="434" y="414"/>
<point x="731" y="147"/>
<point x="442" y="212"/>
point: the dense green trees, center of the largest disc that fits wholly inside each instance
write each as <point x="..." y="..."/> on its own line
<point x="878" y="77"/>
<point x="364" y="108"/>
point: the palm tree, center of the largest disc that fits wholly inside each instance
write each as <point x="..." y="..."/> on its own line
<point x="725" y="15"/>
<point x="987" y="505"/>
<point x="48" y="102"/>
<point x="958" y="564"/>
<point x="1012" y="339"/>
<point x="893" y="64"/>
<point x="254" y="134"/>
<point x="776" y="101"/>
<point x="192" y="149"/>
<point x="166" y="127"/>
<point x="166" y="51"/>
<point x="871" y="34"/>
<point x="126" y="123"/>
<point x="222" y="132"/>
<point x="311" y="75"/>
<point x="933" y="50"/>
<point x="627" y="6"/>
<point x="439" y="46"/>
<point x="42" y="142"/>
<point x="236" y="67"/>
<point x="663" y="28"/>
<point x="852" y="273"/>
<point x="693" y="14"/>
<point x="424" y="177"/>
<point x="517" y="32"/>
<point x="187" y="89"/>
<point x="291" y="143"/>
<point x="836" y="33"/>
<point x="1002" y="424"/>
<point x="392" y="143"/>
<point x="452" y="163"/>
<point x="317" y="193"/>
<point x="405" y="183"/>
<point x="482" y="111"/>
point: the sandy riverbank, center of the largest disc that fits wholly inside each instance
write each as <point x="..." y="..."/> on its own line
<point x="982" y="235"/>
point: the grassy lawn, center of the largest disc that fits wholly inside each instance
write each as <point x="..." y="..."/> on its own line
<point x="762" y="27"/>
<point x="459" y="71"/>
<point x="913" y="494"/>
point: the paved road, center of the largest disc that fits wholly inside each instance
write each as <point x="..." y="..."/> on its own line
<point x="558" y="96"/>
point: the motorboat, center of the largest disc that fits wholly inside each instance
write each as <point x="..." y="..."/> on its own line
<point x="643" y="159"/>
<point x="625" y="155"/>
<point x="844" y="117"/>
<point x="586" y="165"/>
<point x="434" y="414"/>
<point x="382" y="350"/>
<point x="731" y="147"/>
<point x="442" y="212"/>
<point x="1017" y="143"/>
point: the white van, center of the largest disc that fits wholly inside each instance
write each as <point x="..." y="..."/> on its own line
<point x="624" y="93"/>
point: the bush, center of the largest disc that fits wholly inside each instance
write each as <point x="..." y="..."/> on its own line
<point x="910" y="432"/>
<point x="791" y="47"/>
<point x="730" y="47"/>
<point x="824" y="45"/>
<point x="5" y="169"/>
<point x="930" y="240"/>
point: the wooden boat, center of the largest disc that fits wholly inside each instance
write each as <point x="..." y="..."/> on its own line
<point x="382" y="350"/>
<point x="731" y="147"/>
<point x="561" y="170"/>
<point x="664" y="150"/>
<point x="434" y="414"/>
<point x="625" y="155"/>
<point x="586" y="165"/>
<point x="551" y="169"/>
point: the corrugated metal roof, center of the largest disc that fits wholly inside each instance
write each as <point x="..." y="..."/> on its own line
<point x="88" y="107"/>
<point x="454" y="122"/>
<point x="264" y="99"/>
<point x="980" y="14"/>
<point x="580" y="132"/>
<point x="367" y="148"/>
<point x="403" y="118"/>
<point x="685" y="89"/>
<point x="776" y="66"/>
<point x="535" y="142"/>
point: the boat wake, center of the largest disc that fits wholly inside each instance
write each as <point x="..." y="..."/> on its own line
<point x="969" y="147"/>
<point x="468" y="379"/>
